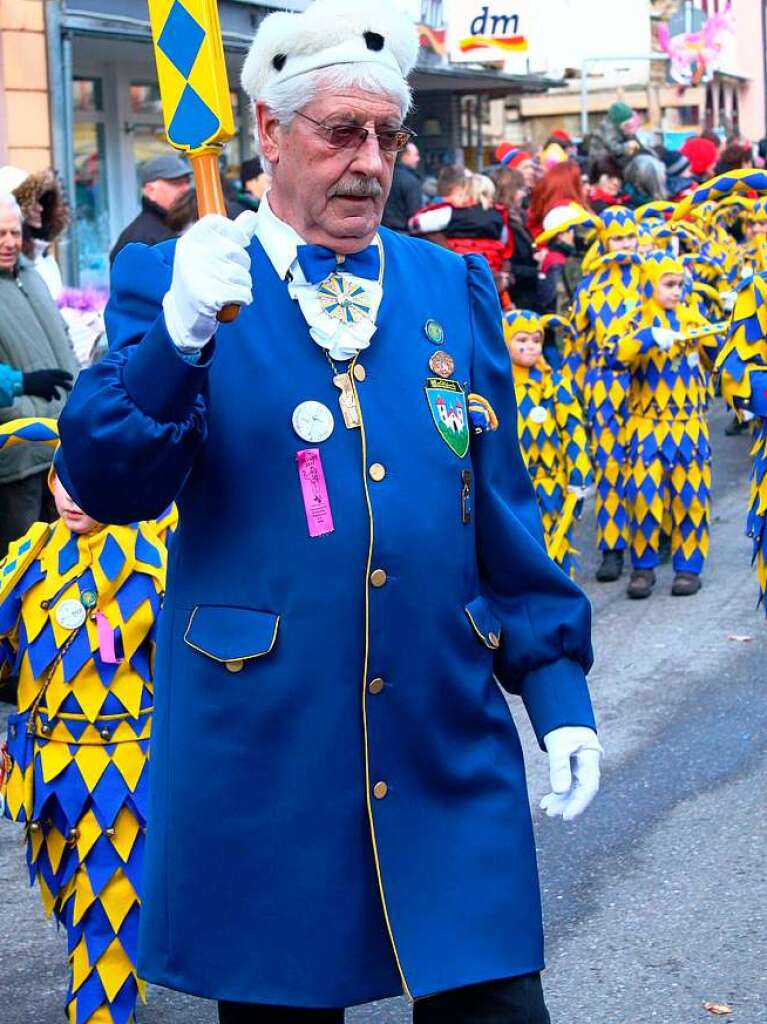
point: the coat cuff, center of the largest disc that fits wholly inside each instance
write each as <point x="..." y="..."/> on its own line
<point x="555" y="695"/>
<point x="161" y="382"/>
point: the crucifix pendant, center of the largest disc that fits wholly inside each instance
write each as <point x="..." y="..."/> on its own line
<point x="347" y="400"/>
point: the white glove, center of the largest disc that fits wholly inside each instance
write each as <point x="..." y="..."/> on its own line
<point x="211" y="269"/>
<point x="728" y="300"/>
<point x="581" y="493"/>
<point x="664" y="338"/>
<point x="574" y="754"/>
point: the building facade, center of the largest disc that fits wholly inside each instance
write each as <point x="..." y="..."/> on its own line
<point x="610" y="49"/>
<point x="78" y="92"/>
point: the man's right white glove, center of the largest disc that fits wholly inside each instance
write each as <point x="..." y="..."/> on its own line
<point x="664" y="338"/>
<point x="211" y="269"/>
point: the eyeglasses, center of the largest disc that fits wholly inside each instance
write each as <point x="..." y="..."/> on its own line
<point x="342" y="136"/>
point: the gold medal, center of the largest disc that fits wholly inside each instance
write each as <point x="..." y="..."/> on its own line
<point x="442" y="364"/>
<point x="347" y="401"/>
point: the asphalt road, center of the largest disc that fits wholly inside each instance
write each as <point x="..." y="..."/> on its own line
<point x="656" y="900"/>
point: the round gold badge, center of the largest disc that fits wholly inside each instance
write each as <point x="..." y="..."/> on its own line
<point x="442" y="363"/>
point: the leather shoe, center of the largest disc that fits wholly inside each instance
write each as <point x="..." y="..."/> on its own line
<point x="685" y="584"/>
<point x="641" y="584"/>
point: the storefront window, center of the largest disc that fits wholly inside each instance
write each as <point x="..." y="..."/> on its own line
<point x="145" y="98"/>
<point x="86" y="95"/>
<point x="91" y="222"/>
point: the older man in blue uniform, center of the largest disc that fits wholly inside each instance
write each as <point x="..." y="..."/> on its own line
<point x="339" y="810"/>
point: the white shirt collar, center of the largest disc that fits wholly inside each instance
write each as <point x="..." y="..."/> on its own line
<point x="280" y="240"/>
<point x="342" y="340"/>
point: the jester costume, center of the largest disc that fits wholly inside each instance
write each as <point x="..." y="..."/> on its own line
<point x="77" y="621"/>
<point x="667" y="439"/>
<point x="610" y="289"/>
<point x="552" y="436"/>
<point x="742" y="369"/>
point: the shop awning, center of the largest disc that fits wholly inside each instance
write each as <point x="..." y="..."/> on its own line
<point x="462" y="80"/>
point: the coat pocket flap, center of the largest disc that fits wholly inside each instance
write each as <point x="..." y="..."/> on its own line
<point x="484" y="622"/>
<point x="231" y="634"/>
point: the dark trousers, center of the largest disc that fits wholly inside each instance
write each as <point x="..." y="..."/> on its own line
<point x="510" y="1001"/>
<point x="22" y="503"/>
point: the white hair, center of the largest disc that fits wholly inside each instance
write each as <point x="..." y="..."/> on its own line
<point x="9" y="202"/>
<point x="285" y="98"/>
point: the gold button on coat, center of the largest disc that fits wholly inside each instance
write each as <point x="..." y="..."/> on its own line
<point x="380" y="790"/>
<point x="377" y="472"/>
<point x="359" y="371"/>
<point x="376" y="685"/>
<point x="236" y="665"/>
<point x="378" y="577"/>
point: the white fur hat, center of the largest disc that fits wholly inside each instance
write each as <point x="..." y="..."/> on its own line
<point x="327" y="33"/>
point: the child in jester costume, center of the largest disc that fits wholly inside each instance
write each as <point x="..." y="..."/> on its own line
<point x="552" y="433"/>
<point x="742" y="369"/>
<point x="610" y="289"/>
<point x="668" y="349"/>
<point x="78" y="605"/>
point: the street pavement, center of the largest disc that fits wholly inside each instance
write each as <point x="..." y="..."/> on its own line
<point x="656" y="899"/>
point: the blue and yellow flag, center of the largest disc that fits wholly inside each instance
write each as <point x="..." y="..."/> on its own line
<point x="191" y="71"/>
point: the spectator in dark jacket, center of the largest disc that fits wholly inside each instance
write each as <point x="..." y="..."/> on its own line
<point x="605" y="184"/>
<point x="255" y="181"/>
<point x="523" y="287"/>
<point x="406" y="194"/>
<point x="645" y="180"/>
<point x="679" y="181"/>
<point x="163" y="179"/>
<point x="34" y="341"/>
<point x="733" y="157"/>
<point x="616" y="135"/>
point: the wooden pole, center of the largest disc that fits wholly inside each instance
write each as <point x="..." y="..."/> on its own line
<point x="210" y="199"/>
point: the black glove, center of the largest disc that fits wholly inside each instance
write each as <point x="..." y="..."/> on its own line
<point x="46" y="383"/>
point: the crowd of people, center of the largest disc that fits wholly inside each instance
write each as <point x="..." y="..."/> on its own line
<point x="584" y="245"/>
<point x="629" y="289"/>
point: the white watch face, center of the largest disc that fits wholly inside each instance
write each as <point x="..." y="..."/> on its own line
<point x="313" y="422"/>
<point x="70" y="614"/>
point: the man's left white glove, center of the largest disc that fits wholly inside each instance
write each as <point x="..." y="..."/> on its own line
<point x="211" y="269"/>
<point x="574" y="755"/>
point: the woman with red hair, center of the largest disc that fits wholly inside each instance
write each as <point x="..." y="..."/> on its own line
<point x="560" y="185"/>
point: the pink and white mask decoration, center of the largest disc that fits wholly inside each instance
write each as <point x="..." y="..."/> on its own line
<point x="695" y="55"/>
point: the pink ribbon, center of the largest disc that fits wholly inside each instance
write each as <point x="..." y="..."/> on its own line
<point x="314" y="490"/>
<point x="106" y="640"/>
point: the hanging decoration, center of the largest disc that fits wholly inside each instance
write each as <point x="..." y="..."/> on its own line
<point x="695" y="55"/>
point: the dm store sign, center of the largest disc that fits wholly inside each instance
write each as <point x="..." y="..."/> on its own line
<point x="480" y="32"/>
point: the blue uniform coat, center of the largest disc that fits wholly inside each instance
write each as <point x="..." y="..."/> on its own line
<point x="274" y="872"/>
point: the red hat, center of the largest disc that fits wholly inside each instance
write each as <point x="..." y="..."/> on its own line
<point x="562" y="135"/>
<point x="512" y="157"/>
<point x="701" y="153"/>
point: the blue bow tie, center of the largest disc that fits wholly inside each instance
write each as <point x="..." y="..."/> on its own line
<point x="319" y="262"/>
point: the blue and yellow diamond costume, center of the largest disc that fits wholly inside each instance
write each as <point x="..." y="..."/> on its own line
<point x="552" y="436"/>
<point x="78" y="745"/>
<point x="361" y="784"/>
<point x="610" y="289"/>
<point x="667" y="438"/>
<point x="742" y="370"/>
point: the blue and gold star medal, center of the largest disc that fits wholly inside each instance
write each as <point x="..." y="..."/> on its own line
<point x="343" y="300"/>
<point x="447" y="404"/>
